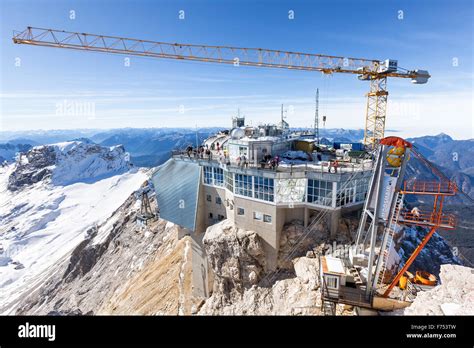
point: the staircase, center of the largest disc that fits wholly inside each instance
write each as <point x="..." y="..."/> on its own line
<point x="389" y="231"/>
<point x="354" y="271"/>
<point x="328" y="307"/>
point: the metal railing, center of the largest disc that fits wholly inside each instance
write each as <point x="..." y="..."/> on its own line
<point x="346" y="295"/>
<point x="322" y="167"/>
<point x="430" y="187"/>
<point x="433" y="219"/>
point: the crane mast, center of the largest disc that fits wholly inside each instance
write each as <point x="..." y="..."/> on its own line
<point x="373" y="70"/>
<point x="316" y="118"/>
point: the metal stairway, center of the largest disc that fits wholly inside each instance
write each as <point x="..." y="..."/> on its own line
<point x="388" y="238"/>
<point x="328" y="307"/>
<point x="354" y="271"/>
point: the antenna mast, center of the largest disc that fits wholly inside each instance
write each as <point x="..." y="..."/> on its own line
<point x="282" y="117"/>
<point x="197" y="138"/>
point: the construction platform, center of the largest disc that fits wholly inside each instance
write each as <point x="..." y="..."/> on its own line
<point x="445" y="221"/>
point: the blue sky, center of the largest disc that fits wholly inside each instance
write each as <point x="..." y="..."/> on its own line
<point x="161" y="93"/>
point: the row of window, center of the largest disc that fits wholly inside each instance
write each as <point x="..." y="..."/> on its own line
<point x="219" y="217"/>
<point x="254" y="186"/>
<point x="218" y="199"/>
<point x="318" y="191"/>
<point x="213" y="176"/>
<point x="355" y="191"/>
<point x="362" y="187"/>
<point x="256" y="215"/>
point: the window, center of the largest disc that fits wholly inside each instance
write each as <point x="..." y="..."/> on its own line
<point x="320" y="192"/>
<point x="229" y="181"/>
<point x="211" y="216"/>
<point x="362" y="186"/>
<point x="243" y="185"/>
<point x="208" y="175"/>
<point x="257" y="216"/>
<point x="213" y="176"/>
<point x="263" y="188"/>
<point x="332" y="282"/>
<point x="208" y="198"/>
<point x="345" y="196"/>
<point x="267" y="218"/>
<point x="240" y="211"/>
<point x="242" y="150"/>
<point x="220" y="217"/>
<point x="218" y="200"/>
<point x="218" y="177"/>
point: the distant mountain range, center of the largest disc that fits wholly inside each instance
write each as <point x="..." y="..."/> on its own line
<point x="56" y="193"/>
<point x="151" y="146"/>
<point x="455" y="158"/>
<point x="147" y="147"/>
<point x="9" y="150"/>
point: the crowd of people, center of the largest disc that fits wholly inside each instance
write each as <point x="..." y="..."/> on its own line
<point x="199" y="152"/>
<point x="207" y="152"/>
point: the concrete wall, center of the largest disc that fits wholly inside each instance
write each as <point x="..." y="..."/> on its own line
<point x="296" y="213"/>
<point x="267" y="231"/>
<point x="212" y="206"/>
<point x="201" y="218"/>
<point x="202" y="273"/>
<point x="201" y="269"/>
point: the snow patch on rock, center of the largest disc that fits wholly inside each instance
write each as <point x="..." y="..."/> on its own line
<point x="41" y="223"/>
<point x="67" y="163"/>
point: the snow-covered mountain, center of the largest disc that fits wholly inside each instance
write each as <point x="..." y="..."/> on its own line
<point x="49" y="198"/>
<point x="67" y="163"/>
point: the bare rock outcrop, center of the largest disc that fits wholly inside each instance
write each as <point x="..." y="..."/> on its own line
<point x="241" y="282"/>
<point x="296" y="240"/>
<point x="454" y="296"/>
<point x="292" y="296"/>
<point x="237" y="260"/>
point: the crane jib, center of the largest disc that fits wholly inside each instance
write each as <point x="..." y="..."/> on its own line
<point x="374" y="71"/>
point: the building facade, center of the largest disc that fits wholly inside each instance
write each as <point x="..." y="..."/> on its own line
<point x="257" y="199"/>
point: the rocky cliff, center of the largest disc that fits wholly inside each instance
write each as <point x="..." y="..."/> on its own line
<point x="121" y="268"/>
<point x="243" y="285"/>
<point x="454" y="295"/>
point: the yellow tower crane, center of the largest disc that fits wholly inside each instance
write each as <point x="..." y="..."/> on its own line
<point x="372" y="70"/>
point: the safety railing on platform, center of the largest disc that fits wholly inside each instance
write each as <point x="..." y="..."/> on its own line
<point x="433" y="219"/>
<point x="322" y="167"/>
<point x="429" y="187"/>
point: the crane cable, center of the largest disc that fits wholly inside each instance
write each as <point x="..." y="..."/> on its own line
<point x="437" y="171"/>
<point x="309" y="229"/>
<point x="272" y="276"/>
